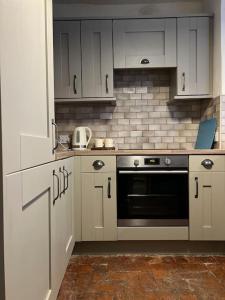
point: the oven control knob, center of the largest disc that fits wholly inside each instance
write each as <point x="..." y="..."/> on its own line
<point x="136" y="162"/>
<point x="168" y="161"/>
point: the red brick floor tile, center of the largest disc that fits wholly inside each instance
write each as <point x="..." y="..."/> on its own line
<point x="144" y="278"/>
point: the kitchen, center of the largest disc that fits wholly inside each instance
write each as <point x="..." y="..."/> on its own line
<point x="146" y="80"/>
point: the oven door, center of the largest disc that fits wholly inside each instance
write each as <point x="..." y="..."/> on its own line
<point x="152" y="198"/>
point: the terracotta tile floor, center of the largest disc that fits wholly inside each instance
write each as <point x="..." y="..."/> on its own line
<point x="144" y="278"/>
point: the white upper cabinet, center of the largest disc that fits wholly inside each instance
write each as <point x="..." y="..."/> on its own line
<point x="27" y="87"/>
<point x="146" y="43"/>
<point x="97" y="58"/>
<point x="193" y="47"/>
<point x="67" y="59"/>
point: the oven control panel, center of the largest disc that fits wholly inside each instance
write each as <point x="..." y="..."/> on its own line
<point x="152" y="161"/>
<point x="163" y="161"/>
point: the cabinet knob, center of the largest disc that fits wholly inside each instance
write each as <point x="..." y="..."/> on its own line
<point x="98" y="164"/>
<point x="207" y="163"/>
<point x="145" y="61"/>
<point x="136" y="162"/>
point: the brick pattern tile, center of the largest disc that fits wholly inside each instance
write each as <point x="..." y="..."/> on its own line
<point x="144" y="278"/>
<point x="143" y="116"/>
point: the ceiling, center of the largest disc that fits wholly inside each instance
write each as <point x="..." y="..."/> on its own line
<point x="110" y="2"/>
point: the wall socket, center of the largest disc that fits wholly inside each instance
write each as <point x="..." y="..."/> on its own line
<point x="64" y="139"/>
<point x="216" y="139"/>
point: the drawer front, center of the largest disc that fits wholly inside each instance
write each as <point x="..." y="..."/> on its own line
<point x="197" y="162"/>
<point x="98" y="164"/>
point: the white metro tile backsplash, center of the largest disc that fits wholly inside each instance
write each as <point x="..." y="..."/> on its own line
<point x="143" y="117"/>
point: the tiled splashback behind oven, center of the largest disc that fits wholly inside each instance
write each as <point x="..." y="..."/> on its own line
<point x="144" y="117"/>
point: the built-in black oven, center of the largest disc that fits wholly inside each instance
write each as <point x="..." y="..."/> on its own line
<point x="152" y="191"/>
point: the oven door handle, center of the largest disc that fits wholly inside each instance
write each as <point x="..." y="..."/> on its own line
<point x="154" y="172"/>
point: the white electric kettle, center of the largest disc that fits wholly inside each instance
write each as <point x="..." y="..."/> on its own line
<point x="81" y="138"/>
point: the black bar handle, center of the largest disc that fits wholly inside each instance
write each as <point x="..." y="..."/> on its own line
<point x="196" y="184"/>
<point x="67" y="178"/>
<point x="74" y="84"/>
<point x="106" y="83"/>
<point x="64" y="182"/>
<point x="56" y="136"/>
<point x="109" y="188"/>
<point x="57" y="196"/>
<point x="184" y="81"/>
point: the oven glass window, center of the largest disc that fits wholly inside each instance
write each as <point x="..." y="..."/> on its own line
<point x="152" y="196"/>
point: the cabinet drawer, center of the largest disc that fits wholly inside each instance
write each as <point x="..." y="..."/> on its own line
<point x="109" y="164"/>
<point x="196" y="163"/>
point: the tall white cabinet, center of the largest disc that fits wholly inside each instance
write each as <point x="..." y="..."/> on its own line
<point x="26" y="61"/>
<point x="38" y="208"/>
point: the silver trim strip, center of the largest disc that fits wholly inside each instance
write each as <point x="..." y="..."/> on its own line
<point x="154" y="172"/>
<point x="152" y="222"/>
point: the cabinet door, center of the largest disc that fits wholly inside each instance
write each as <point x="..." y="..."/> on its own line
<point x="67" y="59"/>
<point x="62" y="217"/>
<point x="57" y="232"/>
<point x="27" y="241"/>
<point x="144" y="43"/>
<point x="97" y="58"/>
<point x="99" y="215"/>
<point x="68" y="208"/>
<point x="27" y="95"/>
<point x="193" y="46"/>
<point x="207" y="205"/>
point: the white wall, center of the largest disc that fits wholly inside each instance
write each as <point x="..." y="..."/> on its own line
<point x="214" y="7"/>
<point x="159" y="8"/>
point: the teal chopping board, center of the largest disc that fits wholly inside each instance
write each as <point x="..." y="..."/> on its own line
<point x="206" y="134"/>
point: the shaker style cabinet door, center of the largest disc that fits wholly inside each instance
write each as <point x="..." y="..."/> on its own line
<point x="62" y="220"/>
<point x="144" y="43"/>
<point x="67" y="59"/>
<point x="97" y="58"/>
<point x="68" y="209"/>
<point x="193" y="47"/>
<point x="27" y="241"/>
<point x="57" y="231"/>
<point x="99" y="214"/>
<point x="207" y="199"/>
<point x="27" y="87"/>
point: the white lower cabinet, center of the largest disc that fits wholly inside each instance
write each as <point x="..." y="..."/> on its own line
<point x="98" y="196"/>
<point x="38" y="230"/>
<point x="62" y="220"/>
<point x="27" y="231"/>
<point x="207" y="198"/>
